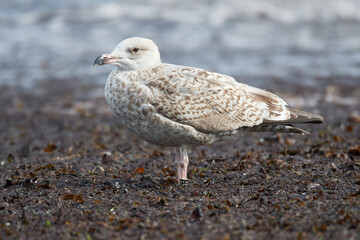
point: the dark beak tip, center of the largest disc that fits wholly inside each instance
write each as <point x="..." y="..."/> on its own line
<point x="98" y="61"/>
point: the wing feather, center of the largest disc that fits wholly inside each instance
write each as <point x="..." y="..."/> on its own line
<point x="212" y="102"/>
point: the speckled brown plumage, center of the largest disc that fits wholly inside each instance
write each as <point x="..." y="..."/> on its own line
<point x="181" y="106"/>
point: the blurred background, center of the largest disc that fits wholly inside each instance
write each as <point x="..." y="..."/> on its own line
<point x="303" y="41"/>
<point x="306" y="51"/>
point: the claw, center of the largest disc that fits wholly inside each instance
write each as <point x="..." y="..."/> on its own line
<point x="183" y="181"/>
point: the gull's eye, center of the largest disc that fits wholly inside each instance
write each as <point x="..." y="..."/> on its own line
<point x="135" y="50"/>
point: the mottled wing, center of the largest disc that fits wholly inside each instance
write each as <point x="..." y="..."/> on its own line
<point x="212" y="102"/>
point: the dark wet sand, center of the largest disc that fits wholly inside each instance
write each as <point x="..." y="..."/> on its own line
<point x="69" y="169"/>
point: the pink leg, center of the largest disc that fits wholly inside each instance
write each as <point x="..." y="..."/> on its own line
<point x="182" y="161"/>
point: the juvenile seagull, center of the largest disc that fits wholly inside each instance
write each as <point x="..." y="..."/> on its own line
<point x="179" y="106"/>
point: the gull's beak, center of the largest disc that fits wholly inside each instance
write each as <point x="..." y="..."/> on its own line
<point x="105" y="59"/>
<point x="99" y="61"/>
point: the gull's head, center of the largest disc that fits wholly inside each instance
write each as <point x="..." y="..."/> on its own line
<point x="132" y="54"/>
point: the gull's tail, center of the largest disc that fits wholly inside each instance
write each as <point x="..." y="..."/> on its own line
<point x="298" y="116"/>
<point x="286" y="126"/>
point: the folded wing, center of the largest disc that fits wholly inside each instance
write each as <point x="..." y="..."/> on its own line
<point x="212" y="102"/>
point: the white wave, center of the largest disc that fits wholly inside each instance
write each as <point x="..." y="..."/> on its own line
<point x="263" y="38"/>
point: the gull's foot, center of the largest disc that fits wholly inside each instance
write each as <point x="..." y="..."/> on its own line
<point x="183" y="181"/>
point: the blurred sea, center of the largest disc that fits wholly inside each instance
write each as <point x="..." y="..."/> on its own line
<point x="292" y="40"/>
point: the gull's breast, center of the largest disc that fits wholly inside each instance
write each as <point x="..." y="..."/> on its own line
<point x="130" y="100"/>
